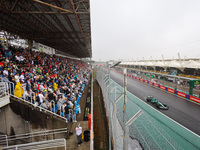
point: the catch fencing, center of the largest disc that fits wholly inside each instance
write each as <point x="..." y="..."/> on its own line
<point x="152" y="129"/>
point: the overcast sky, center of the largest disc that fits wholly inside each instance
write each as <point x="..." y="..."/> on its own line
<point x="141" y="29"/>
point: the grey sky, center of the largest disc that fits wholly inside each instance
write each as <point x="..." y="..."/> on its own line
<point x="131" y="30"/>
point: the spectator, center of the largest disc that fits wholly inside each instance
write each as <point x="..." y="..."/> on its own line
<point x="27" y="95"/>
<point x="18" y="90"/>
<point x="79" y="134"/>
<point x="67" y="110"/>
<point x="51" y="96"/>
<point x="74" y="113"/>
<point x="44" y="105"/>
<point x="41" y="97"/>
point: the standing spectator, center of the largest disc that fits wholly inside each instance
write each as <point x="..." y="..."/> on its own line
<point x="51" y="96"/>
<point x="18" y="90"/>
<point x="74" y="113"/>
<point x="60" y="102"/>
<point x="67" y="109"/>
<point x="27" y="95"/>
<point x="41" y="97"/>
<point x="17" y="77"/>
<point x="79" y="134"/>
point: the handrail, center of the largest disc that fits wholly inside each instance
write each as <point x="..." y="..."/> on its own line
<point x="30" y="135"/>
<point x="39" y="145"/>
<point x="35" y="132"/>
<point x="39" y="107"/>
<point x="91" y="132"/>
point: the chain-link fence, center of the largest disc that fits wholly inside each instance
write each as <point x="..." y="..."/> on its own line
<point x="152" y="129"/>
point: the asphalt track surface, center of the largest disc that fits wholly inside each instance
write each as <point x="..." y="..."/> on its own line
<point x="182" y="111"/>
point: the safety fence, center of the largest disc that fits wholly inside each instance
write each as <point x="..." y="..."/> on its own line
<point x="152" y="129"/>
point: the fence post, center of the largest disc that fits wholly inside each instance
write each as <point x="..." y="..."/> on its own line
<point x="124" y="106"/>
<point x="115" y="118"/>
<point x="139" y="113"/>
<point x="6" y="140"/>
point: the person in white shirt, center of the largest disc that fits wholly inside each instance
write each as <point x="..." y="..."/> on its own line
<point x="41" y="96"/>
<point x="79" y="134"/>
<point x="21" y="58"/>
<point x="17" y="77"/>
<point x="5" y="72"/>
<point x="22" y="76"/>
<point x="27" y="95"/>
<point x="17" y="59"/>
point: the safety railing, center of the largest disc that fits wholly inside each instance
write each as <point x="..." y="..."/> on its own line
<point x="6" y="88"/>
<point x="152" y="129"/>
<point x="40" y="108"/>
<point x="92" y="114"/>
<point x="57" y="143"/>
<point x="6" y="140"/>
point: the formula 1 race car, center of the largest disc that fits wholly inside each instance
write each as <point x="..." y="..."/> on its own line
<point x="157" y="103"/>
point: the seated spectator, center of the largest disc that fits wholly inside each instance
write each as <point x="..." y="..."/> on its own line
<point x="44" y="105"/>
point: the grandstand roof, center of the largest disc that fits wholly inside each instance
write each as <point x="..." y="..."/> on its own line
<point x="60" y="24"/>
<point x="189" y="63"/>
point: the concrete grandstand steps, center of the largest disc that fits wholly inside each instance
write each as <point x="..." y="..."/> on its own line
<point x="4" y="101"/>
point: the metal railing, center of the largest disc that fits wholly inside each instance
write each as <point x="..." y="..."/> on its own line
<point x="6" y="88"/>
<point x="5" y="140"/>
<point x="92" y="113"/>
<point x="39" y="145"/>
<point x="152" y="129"/>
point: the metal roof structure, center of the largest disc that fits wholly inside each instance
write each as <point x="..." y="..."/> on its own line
<point x="189" y="63"/>
<point x="60" y="24"/>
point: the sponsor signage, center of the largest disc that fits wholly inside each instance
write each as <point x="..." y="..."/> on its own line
<point x="138" y="78"/>
<point x="155" y="84"/>
<point x="146" y="81"/>
<point x="171" y="90"/>
<point x="150" y="83"/>
<point x="163" y="87"/>
<point x="181" y="94"/>
<point x="195" y="99"/>
<point x="141" y="79"/>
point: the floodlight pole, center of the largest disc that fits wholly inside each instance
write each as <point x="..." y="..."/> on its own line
<point x="124" y="108"/>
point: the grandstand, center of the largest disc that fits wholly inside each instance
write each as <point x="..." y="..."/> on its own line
<point x="42" y="93"/>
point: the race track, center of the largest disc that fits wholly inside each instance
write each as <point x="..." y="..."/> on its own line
<point x="184" y="112"/>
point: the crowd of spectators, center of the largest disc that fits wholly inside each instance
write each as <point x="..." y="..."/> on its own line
<point x="50" y="81"/>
